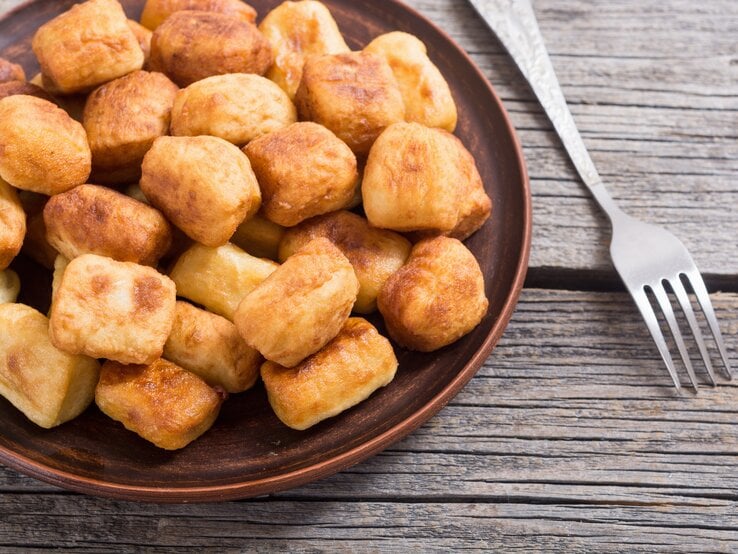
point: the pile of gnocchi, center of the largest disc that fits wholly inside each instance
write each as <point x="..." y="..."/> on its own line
<point x="221" y="202"/>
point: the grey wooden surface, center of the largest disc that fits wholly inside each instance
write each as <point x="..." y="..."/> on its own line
<point x="570" y="438"/>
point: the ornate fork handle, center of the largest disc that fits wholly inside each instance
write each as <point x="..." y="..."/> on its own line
<point x="514" y="23"/>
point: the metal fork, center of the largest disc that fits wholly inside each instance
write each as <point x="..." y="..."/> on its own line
<point x="647" y="257"/>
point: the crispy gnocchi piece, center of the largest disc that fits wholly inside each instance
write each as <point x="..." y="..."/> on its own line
<point x="161" y="402"/>
<point x="11" y="88"/>
<point x="155" y="12"/>
<point x="192" y="45"/>
<point x="42" y="149"/>
<point x="49" y="386"/>
<point x="218" y="278"/>
<point x="297" y="30"/>
<point x="436" y="298"/>
<point x="59" y="266"/>
<point x="209" y="346"/>
<point x="303" y="170"/>
<point x="355" y="95"/>
<point x="238" y="108"/>
<point x="343" y="373"/>
<point x="12" y="224"/>
<point x="204" y="185"/>
<point x="423" y="179"/>
<point x="86" y="46"/>
<point x="374" y="253"/>
<point x="90" y="219"/>
<point x="10" y="71"/>
<point x="116" y="310"/>
<point x="9" y="286"/>
<point x="426" y="93"/>
<point x="259" y="237"/>
<point x="122" y="119"/>
<point x="300" y="307"/>
<point x="35" y="245"/>
<point x="143" y="36"/>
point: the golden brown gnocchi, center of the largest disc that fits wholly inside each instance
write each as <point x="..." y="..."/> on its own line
<point x="160" y="402"/>
<point x="86" y="46"/>
<point x="204" y="185"/>
<point x="108" y="309"/>
<point x="343" y="373"/>
<point x="12" y="224"/>
<point x="259" y="237"/>
<point x="10" y="71"/>
<point x="9" y="286"/>
<point x="143" y="36"/>
<point x="301" y="306"/>
<point x="238" y="107"/>
<point x="11" y="88"/>
<point x="155" y="12"/>
<point x="303" y="170"/>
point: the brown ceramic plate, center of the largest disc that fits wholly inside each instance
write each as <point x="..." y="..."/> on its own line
<point x="249" y="452"/>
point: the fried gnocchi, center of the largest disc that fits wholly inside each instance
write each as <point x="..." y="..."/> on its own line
<point x="90" y="219"/>
<point x="436" y="298"/>
<point x="204" y="185"/>
<point x="422" y="179"/>
<point x="259" y="237"/>
<point x="35" y="245"/>
<point x="375" y="254"/>
<point x="49" y="386"/>
<point x="238" y="108"/>
<point x="42" y="149"/>
<point x="219" y="278"/>
<point x="209" y="346"/>
<point x="301" y="306"/>
<point x="143" y="36"/>
<point x="116" y="310"/>
<point x="303" y="170"/>
<point x="12" y="224"/>
<point x="297" y="30"/>
<point x="426" y="93"/>
<point x="160" y="402"/>
<point x="86" y="46"/>
<point x="192" y="45"/>
<point x="155" y="12"/>
<point x="11" y="88"/>
<point x="355" y="95"/>
<point x="10" y="71"/>
<point x="9" y="286"/>
<point x="122" y="119"/>
<point x="345" y="372"/>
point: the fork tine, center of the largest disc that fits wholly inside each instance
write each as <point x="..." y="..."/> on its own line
<point x="665" y="305"/>
<point x="698" y="285"/>
<point x="686" y="304"/>
<point x="644" y="305"/>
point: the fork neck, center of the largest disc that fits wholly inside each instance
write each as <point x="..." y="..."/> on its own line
<point x="605" y="201"/>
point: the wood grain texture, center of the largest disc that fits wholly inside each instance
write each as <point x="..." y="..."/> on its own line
<point x="570" y="438"/>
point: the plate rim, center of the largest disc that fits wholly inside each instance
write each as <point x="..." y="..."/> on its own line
<point x="344" y="460"/>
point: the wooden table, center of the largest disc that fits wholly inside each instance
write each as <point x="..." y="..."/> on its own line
<point x="571" y="436"/>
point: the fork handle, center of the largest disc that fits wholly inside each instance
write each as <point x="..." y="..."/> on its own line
<point x="514" y="23"/>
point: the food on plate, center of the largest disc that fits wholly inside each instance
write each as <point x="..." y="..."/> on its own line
<point x="237" y="107"/>
<point x="343" y="373"/>
<point x="143" y="36"/>
<point x="300" y="307"/>
<point x="423" y="179"/>
<point x="42" y="149"/>
<point x="209" y="346"/>
<point x="426" y="93"/>
<point x="297" y="30"/>
<point x="59" y="266"/>
<point x="204" y="185"/>
<point x="303" y="170"/>
<point x="90" y="219"/>
<point x="86" y="46"/>
<point x="161" y="402"/>
<point x="9" y="286"/>
<point x="12" y="224"/>
<point x="155" y="12"/>
<point x="49" y="386"/>
<point x="122" y="119"/>
<point x="109" y="309"/>
<point x="11" y="88"/>
<point x="374" y="253"/>
<point x="436" y="298"/>
<point x="355" y="95"/>
<point x="192" y="45"/>
<point x="218" y="278"/>
<point x="10" y="71"/>
<point x="259" y="237"/>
